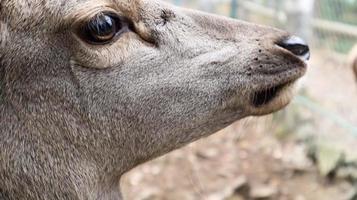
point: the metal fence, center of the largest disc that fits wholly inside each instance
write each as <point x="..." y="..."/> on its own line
<point x="329" y="24"/>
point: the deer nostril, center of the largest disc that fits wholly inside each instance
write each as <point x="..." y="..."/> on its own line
<point x="297" y="46"/>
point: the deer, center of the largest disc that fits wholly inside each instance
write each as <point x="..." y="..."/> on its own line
<point x="91" y="89"/>
<point x="352" y="60"/>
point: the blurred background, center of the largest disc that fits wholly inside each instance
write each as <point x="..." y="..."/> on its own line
<point x="306" y="152"/>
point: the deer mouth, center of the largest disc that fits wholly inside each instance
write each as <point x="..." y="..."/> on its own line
<point x="267" y="95"/>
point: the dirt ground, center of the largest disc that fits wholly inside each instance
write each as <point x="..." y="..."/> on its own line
<point x="248" y="160"/>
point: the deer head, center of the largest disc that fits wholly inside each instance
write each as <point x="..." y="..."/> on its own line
<point x="92" y="88"/>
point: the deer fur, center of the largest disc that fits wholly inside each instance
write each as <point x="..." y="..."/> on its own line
<point x="353" y="60"/>
<point x="75" y="117"/>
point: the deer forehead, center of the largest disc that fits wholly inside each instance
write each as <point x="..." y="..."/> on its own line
<point x="26" y="14"/>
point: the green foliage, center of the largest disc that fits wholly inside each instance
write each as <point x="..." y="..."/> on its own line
<point x="338" y="10"/>
<point x="337" y="42"/>
<point x="344" y="45"/>
<point x="344" y="11"/>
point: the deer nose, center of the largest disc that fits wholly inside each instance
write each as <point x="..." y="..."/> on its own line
<point x="297" y="46"/>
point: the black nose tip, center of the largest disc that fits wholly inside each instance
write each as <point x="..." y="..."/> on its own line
<point x="297" y="46"/>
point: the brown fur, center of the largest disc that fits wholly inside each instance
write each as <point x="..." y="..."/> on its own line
<point x="74" y="117"/>
<point x="353" y="60"/>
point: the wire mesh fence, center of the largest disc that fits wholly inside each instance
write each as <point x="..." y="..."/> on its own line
<point x="328" y="24"/>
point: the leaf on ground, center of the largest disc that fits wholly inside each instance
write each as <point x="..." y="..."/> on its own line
<point x="328" y="158"/>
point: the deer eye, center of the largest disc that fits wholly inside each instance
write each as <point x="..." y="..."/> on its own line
<point x="102" y="28"/>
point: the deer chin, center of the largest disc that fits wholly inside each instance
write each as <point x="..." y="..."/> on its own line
<point x="274" y="97"/>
